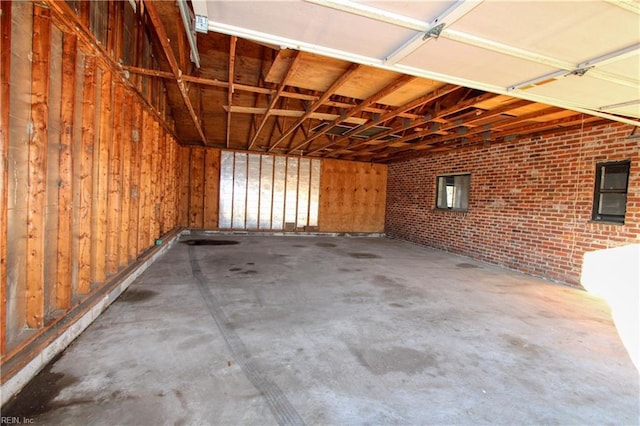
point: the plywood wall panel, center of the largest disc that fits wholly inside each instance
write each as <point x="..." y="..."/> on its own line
<point x="352" y="196"/>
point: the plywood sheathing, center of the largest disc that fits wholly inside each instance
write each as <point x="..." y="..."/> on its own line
<point x="352" y="196"/>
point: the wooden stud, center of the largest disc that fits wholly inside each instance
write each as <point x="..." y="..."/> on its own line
<point x="65" y="186"/>
<point x="145" y="179"/>
<point x="161" y="172"/>
<point x="169" y="187"/>
<point x="211" y="188"/>
<point x="5" y="72"/>
<point x="125" y="211"/>
<point x="196" y="205"/>
<point x="153" y="188"/>
<point x="134" y="188"/>
<point x="76" y="161"/>
<point x="37" y="195"/>
<point x="110" y="22"/>
<point x="85" y="217"/>
<point x="85" y="13"/>
<point x="101" y="185"/>
<point x="185" y="179"/>
<point x="114" y="183"/>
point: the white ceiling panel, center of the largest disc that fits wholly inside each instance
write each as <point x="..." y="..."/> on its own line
<point x="627" y="68"/>
<point x="307" y="23"/>
<point x="579" y="90"/>
<point x="470" y="62"/>
<point x="487" y="45"/>
<point x="566" y="30"/>
<point x="421" y="9"/>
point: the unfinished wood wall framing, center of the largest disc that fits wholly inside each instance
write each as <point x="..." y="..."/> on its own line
<point x="91" y="177"/>
<point x="352" y="194"/>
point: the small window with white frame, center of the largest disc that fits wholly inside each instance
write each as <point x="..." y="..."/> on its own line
<point x="453" y="192"/>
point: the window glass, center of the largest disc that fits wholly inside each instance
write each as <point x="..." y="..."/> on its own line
<point x="612" y="204"/>
<point x="614" y="177"/>
<point x="453" y="192"/>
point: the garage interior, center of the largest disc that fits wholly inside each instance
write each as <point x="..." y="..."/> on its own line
<point x="319" y="211"/>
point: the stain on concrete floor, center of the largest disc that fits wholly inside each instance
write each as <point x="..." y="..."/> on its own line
<point x="364" y="256"/>
<point x="467" y="265"/>
<point x="133" y="295"/>
<point x="205" y="242"/>
<point x="325" y="245"/>
<point x="396" y="359"/>
<point x="38" y="396"/>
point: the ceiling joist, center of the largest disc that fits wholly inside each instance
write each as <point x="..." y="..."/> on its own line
<point x="395" y="85"/>
<point x="318" y="103"/>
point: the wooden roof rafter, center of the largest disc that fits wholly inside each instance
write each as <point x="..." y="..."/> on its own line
<point x="505" y="127"/>
<point x="337" y="83"/>
<point x="573" y="123"/>
<point x="390" y="88"/>
<point x="427" y="119"/>
<point x="422" y="100"/>
<point x="173" y="64"/>
<point x="457" y="123"/>
<point x="274" y="98"/>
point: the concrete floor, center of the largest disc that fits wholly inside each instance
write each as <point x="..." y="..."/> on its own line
<point x="321" y="330"/>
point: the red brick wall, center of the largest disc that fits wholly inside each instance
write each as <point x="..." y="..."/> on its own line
<point x="530" y="201"/>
